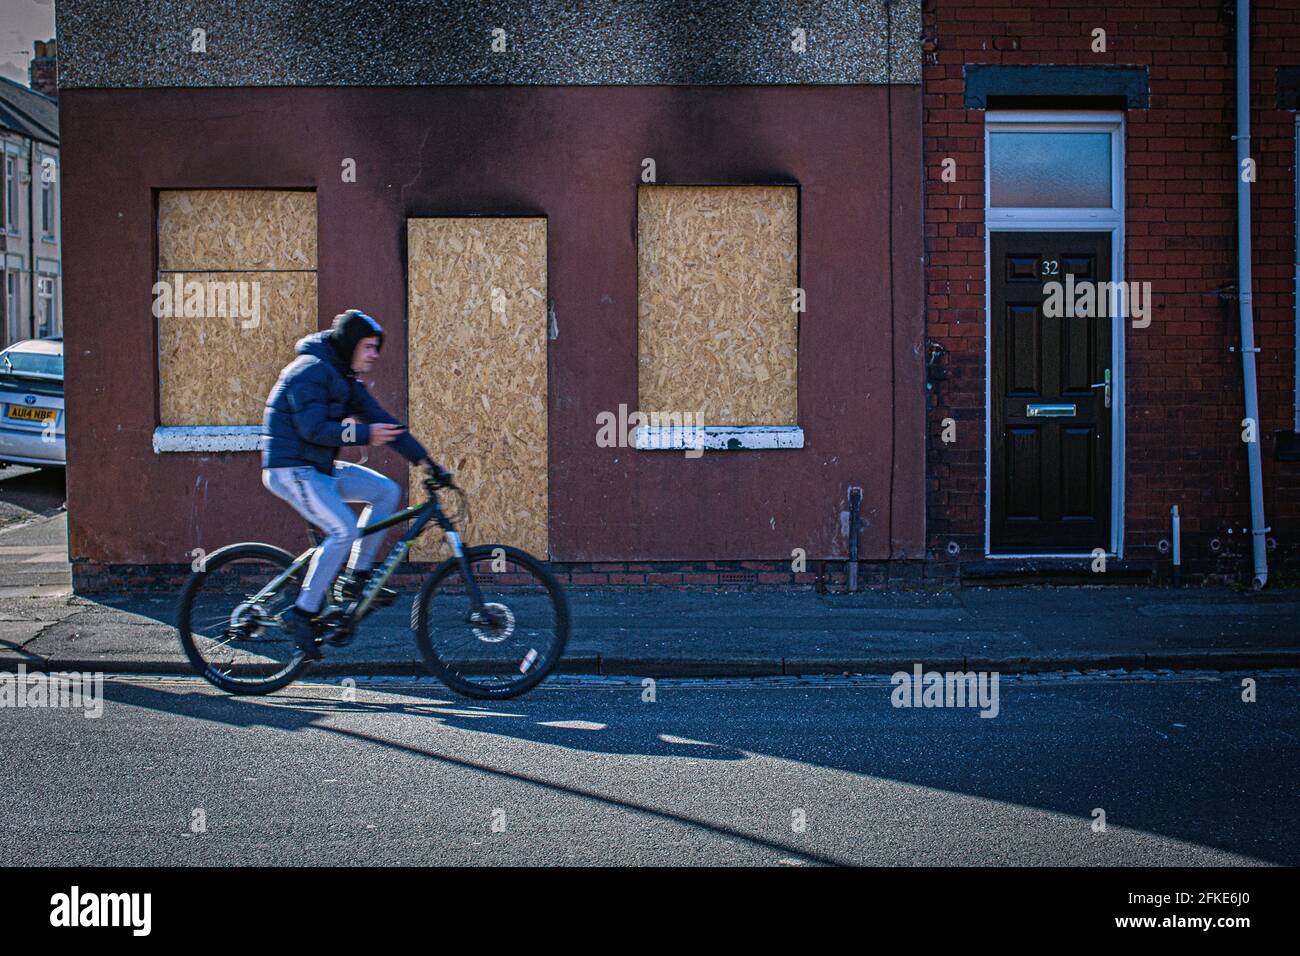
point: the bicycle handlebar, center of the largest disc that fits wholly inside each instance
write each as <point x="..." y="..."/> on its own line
<point x="435" y="484"/>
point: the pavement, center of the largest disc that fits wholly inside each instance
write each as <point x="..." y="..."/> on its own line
<point x="696" y="633"/>
<point x="33" y="534"/>
<point x="1136" y="770"/>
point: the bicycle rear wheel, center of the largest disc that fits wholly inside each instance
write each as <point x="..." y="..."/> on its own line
<point x="515" y="647"/>
<point x="232" y="637"/>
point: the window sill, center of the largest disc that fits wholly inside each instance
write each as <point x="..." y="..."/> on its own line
<point x="718" y="437"/>
<point x="189" y="438"/>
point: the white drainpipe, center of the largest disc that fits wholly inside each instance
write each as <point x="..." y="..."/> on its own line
<point x="1244" y="287"/>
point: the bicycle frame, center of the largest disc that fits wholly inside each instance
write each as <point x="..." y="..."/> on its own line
<point x="420" y="516"/>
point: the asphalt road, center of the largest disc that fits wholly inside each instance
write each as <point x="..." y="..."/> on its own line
<point x="710" y="772"/>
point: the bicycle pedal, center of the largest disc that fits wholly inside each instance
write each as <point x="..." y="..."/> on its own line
<point x="328" y="617"/>
<point x="331" y="627"/>
<point x="340" y="638"/>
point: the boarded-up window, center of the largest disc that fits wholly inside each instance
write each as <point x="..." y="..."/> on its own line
<point x="236" y="289"/>
<point x="717" y="270"/>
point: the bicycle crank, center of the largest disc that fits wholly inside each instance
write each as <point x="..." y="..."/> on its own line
<point x="335" y="627"/>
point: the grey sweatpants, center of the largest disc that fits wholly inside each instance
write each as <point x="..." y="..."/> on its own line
<point x="320" y="499"/>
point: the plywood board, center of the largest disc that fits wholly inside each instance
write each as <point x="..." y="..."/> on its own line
<point x="716" y="270"/>
<point x="247" y="229"/>
<point x="477" y="370"/>
<point x="217" y="369"/>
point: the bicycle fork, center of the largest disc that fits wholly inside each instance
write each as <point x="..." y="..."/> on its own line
<point x="476" y="615"/>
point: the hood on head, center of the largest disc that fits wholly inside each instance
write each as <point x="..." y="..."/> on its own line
<point x="351" y="327"/>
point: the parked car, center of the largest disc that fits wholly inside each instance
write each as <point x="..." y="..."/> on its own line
<point x="31" y="404"/>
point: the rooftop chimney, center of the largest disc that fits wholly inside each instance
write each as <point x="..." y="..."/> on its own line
<point x="43" y="73"/>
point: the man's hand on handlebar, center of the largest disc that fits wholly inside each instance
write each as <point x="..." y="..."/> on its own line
<point x="440" y="476"/>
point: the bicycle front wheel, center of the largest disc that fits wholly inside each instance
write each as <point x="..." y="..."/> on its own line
<point x="508" y="647"/>
<point x="230" y="620"/>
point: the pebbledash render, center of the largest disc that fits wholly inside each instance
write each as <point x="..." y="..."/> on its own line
<point x="693" y="294"/>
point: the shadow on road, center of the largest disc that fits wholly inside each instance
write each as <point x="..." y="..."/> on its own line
<point x="1066" y="749"/>
<point x="243" y="712"/>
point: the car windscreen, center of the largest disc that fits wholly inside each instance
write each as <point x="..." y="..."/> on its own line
<point x="17" y="362"/>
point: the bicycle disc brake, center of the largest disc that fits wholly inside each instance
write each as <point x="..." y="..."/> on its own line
<point x="494" y="624"/>
<point x="246" y="620"/>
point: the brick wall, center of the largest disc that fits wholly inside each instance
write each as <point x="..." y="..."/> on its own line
<point x="1184" y="381"/>
<point x="93" y="578"/>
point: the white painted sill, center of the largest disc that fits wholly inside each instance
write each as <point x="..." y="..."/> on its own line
<point x="717" y="437"/>
<point x="197" y="438"/>
<point x="189" y="438"/>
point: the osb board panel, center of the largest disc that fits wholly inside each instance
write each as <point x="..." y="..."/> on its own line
<point x="477" y="377"/>
<point x="212" y="370"/>
<point x="717" y="266"/>
<point x="248" y="229"/>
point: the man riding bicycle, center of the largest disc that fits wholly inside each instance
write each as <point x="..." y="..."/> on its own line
<point x="319" y="404"/>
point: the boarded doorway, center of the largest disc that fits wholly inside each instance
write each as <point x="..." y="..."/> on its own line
<point x="477" y="370"/>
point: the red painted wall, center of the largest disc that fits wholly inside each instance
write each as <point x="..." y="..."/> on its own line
<point x="1185" y="401"/>
<point x="574" y="155"/>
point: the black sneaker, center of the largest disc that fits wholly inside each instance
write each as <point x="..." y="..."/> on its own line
<point x="350" y="584"/>
<point x="300" y="628"/>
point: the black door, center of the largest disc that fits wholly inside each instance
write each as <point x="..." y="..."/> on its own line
<point x="1051" y="437"/>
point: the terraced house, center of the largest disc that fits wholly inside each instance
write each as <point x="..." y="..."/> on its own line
<point x="32" y="303"/>
<point x="858" y="244"/>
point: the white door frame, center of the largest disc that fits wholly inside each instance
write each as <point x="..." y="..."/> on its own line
<point x="1015" y="219"/>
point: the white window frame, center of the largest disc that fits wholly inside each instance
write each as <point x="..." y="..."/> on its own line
<point x="49" y="214"/>
<point x="11" y="193"/>
<point x="43" y="281"/>
<point x="1095" y="219"/>
<point x="13" y="303"/>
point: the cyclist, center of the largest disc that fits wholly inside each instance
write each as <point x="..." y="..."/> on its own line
<point x="317" y="405"/>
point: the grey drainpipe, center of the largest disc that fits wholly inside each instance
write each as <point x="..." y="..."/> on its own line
<point x="1244" y="286"/>
<point x="1296" y="424"/>
<point x="31" y="240"/>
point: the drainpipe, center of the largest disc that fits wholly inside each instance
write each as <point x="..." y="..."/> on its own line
<point x="855" y="528"/>
<point x="1177" y="547"/>
<point x="31" y="240"/>
<point x="1244" y="286"/>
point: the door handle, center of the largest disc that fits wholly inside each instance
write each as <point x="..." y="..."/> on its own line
<point x="1050" y="411"/>
<point x="1106" y="385"/>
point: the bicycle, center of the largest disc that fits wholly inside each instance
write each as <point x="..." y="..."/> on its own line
<point x="480" y="648"/>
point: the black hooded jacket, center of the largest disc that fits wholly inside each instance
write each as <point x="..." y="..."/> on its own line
<point x="303" y="424"/>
